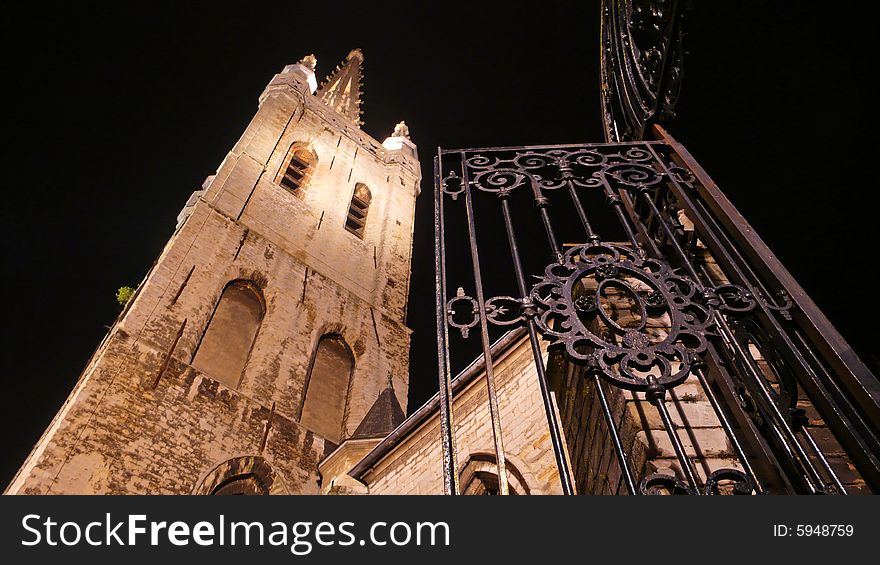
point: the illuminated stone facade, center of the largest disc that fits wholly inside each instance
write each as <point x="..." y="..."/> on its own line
<point x="259" y="269"/>
<point x="266" y="350"/>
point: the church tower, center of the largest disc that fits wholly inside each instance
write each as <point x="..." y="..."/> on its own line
<point x="271" y="323"/>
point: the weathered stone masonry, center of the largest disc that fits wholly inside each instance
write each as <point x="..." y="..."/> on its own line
<point x="161" y="409"/>
<point x="141" y="419"/>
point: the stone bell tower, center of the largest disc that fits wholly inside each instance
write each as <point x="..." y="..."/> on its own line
<point x="271" y="322"/>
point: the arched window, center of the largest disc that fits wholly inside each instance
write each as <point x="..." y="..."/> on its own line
<point x="247" y="484"/>
<point x="226" y="343"/>
<point x="479" y="476"/>
<point x="357" y="210"/>
<point x="246" y="475"/>
<point x="327" y="388"/>
<point x="297" y="168"/>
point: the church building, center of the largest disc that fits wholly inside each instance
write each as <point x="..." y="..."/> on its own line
<point x="266" y="351"/>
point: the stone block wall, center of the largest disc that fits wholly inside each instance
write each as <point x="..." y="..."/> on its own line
<point x="142" y="419"/>
<point x="643" y="435"/>
<point x="415" y="465"/>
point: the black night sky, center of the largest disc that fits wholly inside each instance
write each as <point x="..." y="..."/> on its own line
<point x="116" y="113"/>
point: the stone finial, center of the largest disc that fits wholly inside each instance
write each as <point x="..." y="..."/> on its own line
<point x="310" y="61"/>
<point x="355" y="53"/>
<point x="401" y="130"/>
<point x="390" y="380"/>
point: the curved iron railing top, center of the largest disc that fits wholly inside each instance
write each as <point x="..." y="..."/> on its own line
<point x="640" y="64"/>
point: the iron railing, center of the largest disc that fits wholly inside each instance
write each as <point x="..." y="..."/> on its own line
<point x="564" y="231"/>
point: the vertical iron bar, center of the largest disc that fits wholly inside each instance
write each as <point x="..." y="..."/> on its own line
<point x="809" y="437"/>
<point x="615" y="437"/>
<point x="682" y="255"/>
<point x="822" y="384"/>
<point x="728" y="429"/>
<point x="851" y="372"/>
<point x="529" y="312"/>
<point x="685" y="260"/>
<point x="847" y="373"/>
<point x="835" y="391"/>
<point x="617" y="203"/>
<point x="827" y="386"/>
<point x="765" y="459"/>
<point x="484" y="331"/>
<point x="750" y="280"/>
<point x="786" y="431"/>
<point x="622" y="460"/>
<point x="813" y="445"/>
<point x="747" y="280"/>
<point x="582" y="214"/>
<point x="450" y="471"/>
<point x="656" y="395"/>
<point x="649" y="243"/>
<point x="811" y="474"/>
<point x="541" y="203"/>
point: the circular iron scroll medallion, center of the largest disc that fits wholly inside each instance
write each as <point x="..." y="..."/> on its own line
<point x="629" y="317"/>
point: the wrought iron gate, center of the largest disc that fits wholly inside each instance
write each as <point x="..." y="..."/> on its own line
<point x="553" y="238"/>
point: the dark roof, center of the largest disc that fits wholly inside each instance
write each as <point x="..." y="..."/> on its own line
<point x="427" y="410"/>
<point x="385" y="415"/>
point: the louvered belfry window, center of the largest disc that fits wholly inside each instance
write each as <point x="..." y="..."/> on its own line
<point x="297" y="169"/>
<point x="357" y="211"/>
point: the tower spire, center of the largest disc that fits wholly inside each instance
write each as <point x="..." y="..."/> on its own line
<point x="342" y="89"/>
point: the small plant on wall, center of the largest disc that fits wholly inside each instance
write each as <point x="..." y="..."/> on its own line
<point x="124" y="294"/>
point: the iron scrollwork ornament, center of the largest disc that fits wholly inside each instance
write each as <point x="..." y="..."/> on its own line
<point x="640" y="65"/>
<point x="781" y="302"/>
<point x="576" y="302"/>
<point x="500" y="311"/>
<point x="728" y="481"/>
<point x="462" y="326"/>
<point x="734" y="299"/>
<point x="659" y="483"/>
<point x="452" y="185"/>
<point x="504" y="310"/>
<point x="719" y="482"/>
